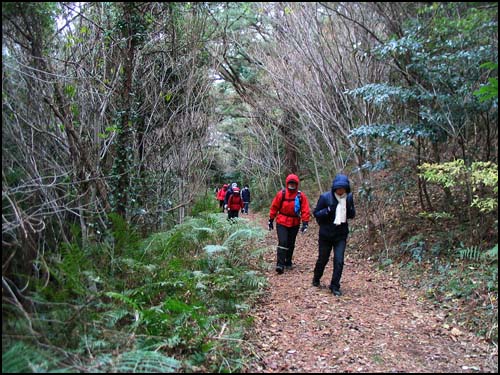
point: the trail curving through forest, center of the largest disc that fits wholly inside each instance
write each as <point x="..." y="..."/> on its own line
<point x="376" y="326"/>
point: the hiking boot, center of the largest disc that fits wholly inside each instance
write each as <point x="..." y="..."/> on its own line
<point x="315" y="282"/>
<point x="279" y="270"/>
<point x="289" y="266"/>
<point x="336" y="291"/>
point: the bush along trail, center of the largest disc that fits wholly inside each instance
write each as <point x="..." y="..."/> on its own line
<point x="375" y="326"/>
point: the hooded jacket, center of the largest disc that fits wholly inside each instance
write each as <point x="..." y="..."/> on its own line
<point x="326" y="217"/>
<point x="222" y="193"/>
<point x="285" y="211"/>
<point x="234" y="202"/>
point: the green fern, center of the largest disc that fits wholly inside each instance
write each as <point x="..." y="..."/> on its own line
<point x="139" y="361"/>
<point x="472" y="253"/>
<point x="24" y="358"/>
<point x="475" y="254"/>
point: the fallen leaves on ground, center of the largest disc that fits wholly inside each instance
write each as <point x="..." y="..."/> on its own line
<point x="375" y="326"/>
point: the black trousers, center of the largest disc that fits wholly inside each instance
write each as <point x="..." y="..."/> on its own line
<point x="325" y="248"/>
<point x="232" y="213"/>
<point x="286" y="244"/>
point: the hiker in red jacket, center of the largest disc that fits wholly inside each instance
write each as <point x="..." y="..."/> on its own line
<point x="221" y="194"/>
<point x="290" y="206"/>
<point x="234" y="204"/>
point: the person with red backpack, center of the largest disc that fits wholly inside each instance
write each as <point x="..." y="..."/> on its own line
<point x="234" y="204"/>
<point x="290" y="206"/>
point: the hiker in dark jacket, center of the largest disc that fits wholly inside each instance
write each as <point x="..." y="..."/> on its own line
<point x="245" y="195"/>
<point x="332" y="211"/>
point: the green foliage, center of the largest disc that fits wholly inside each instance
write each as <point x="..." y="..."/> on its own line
<point x="20" y="357"/>
<point x="436" y="215"/>
<point x="465" y="285"/>
<point x="447" y="174"/>
<point x="476" y="254"/>
<point x="490" y="90"/>
<point x="124" y="237"/>
<point x="415" y="246"/>
<point x="205" y="204"/>
<point x="167" y="295"/>
<point x="43" y="13"/>
<point x="457" y="174"/>
<point x="401" y="134"/>
<point x="136" y="361"/>
<point x="443" y="57"/>
<point x="69" y="272"/>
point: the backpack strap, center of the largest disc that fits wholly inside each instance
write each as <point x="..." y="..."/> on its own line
<point x="283" y="198"/>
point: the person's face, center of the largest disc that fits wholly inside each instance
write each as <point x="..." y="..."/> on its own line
<point x="340" y="191"/>
<point x="292" y="185"/>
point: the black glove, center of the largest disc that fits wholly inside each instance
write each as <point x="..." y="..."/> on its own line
<point x="305" y="224"/>
<point x="270" y="224"/>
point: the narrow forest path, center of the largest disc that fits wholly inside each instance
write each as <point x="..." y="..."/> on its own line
<point x="376" y="326"/>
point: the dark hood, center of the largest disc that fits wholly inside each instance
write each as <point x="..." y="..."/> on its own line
<point x="341" y="181"/>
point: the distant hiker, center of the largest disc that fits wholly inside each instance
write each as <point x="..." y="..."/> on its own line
<point x="291" y="206"/>
<point x="234" y="204"/>
<point x="245" y="195"/>
<point x="229" y="192"/>
<point x="221" y="194"/>
<point x="332" y="211"/>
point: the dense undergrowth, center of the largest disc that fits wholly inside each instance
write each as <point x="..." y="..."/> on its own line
<point x="173" y="302"/>
<point x="449" y="268"/>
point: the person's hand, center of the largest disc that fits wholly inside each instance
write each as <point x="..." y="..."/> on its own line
<point x="305" y="224"/>
<point x="270" y="224"/>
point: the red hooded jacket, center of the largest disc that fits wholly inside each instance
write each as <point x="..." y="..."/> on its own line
<point x="222" y="193"/>
<point x="235" y="203"/>
<point x="286" y="214"/>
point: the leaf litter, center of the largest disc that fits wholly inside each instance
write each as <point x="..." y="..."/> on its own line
<point x="375" y="326"/>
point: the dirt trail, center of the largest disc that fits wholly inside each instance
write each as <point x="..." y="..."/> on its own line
<point x="376" y="326"/>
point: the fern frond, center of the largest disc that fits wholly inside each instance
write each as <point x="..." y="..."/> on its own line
<point x="491" y="254"/>
<point x="140" y="361"/>
<point x="472" y="253"/>
<point x="210" y="249"/>
<point x="24" y="358"/>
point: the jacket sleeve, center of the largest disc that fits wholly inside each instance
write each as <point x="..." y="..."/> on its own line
<point x="351" y="211"/>
<point x="275" y="205"/>
<point x="321" y="210"/>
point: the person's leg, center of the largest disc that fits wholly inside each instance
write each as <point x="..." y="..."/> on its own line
<point x="282" y="247"/>
<point x="292" y="236"/>
<point x="338" y="264"/>
<point x="324" y="250"/>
